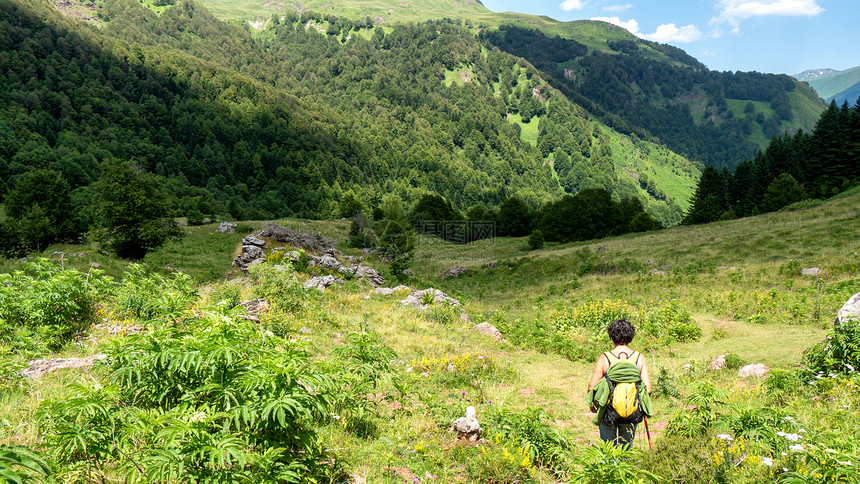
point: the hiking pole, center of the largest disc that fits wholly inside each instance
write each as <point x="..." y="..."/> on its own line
<point x="648" y="433"/>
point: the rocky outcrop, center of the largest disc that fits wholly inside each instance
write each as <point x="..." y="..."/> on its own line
<point x="38" y="368"/>
<point x="453" y="272"/>
<point x="388" y="291"/>
<point x="309" y="241"/>
<point x="226" y="228"/>
<point x="255" y="306"/>
<point x="325" y="261"/>
<point x="850" y="311"/>
<point x="811" y="271"/>
<point x="468" y="428"/>
<point x="718" y="363"/>
<point x="755" y="370"/>
<point x="488" y="329"/>
<point x="323" y="282"/>
<point x="420" y="299"/>
<point x="251" y="253"/>
<point x="367" y="274"/>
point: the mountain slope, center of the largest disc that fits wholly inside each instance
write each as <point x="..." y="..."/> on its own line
<point x="721" y="128"/>
<point x="291" y="121"/>
<point x="830" y="82"/>
<point x="849" y="95"/>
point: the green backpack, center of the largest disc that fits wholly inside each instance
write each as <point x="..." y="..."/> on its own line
<point x="623" y="405"/>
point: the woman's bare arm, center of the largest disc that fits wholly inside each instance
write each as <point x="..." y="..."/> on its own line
<point x="643" y="374"/>
<point x="599" y="370"/>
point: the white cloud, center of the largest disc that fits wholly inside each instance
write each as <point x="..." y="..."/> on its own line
<point x="670" y="33"/>
<point x="631" y="25"/>
<point x="617" y="8"/>
<point x="569" y="5"/>
<point x="733" y="12"/>
<point x="665" y="33"/>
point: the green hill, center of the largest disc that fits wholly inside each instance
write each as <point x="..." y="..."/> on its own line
<point x="849" y="95"/>
<point x="713" y="134"/>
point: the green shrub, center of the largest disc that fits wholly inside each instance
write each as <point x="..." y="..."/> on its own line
<point x="46" y="305"/>
<point x="211" y="399"/>
<point x="594" y="314"/>
<point x="244" y="228"/>
<point x="839" y="352"/>
<point x="150" y="297"/>
<point x="679" y="458"/>
<point x="734" y="362"/>
<point x="689" y="331"/>
<point x="665" y="384"/>
<point x="536" y="240"/>
<point x="604" y="462"/>
<point x="529" y="430"/>
<point x="20" y="465"/>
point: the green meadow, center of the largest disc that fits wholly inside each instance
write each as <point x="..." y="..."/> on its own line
<point x="398" y="376"/>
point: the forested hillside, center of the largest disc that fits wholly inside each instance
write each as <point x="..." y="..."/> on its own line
<point x="719" y="118"/>
<point x="291" y="122"/>
<point x="804" y="167"/>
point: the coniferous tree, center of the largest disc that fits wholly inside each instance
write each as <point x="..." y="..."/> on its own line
<point x="709" y="201"/>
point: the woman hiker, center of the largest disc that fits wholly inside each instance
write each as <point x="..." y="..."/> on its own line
<point x="612" y="370"/>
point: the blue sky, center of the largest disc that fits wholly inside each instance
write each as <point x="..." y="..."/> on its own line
<point x="775" y="36"/>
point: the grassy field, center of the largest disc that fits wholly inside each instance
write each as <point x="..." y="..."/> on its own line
<point x="739" y="283"/>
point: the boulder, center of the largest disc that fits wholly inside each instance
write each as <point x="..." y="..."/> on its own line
<point x="417" y="299"/>
<point x="468" y="428"/>
<point x="255" y="306"/>
<point x="226" y="228"/>
<point x="323" y="282"/>
<point x="755" y="370"/>
<point x="718" y="363"/>
<point x="811" y="271"/>
<point x="252" y="253"/>
<point x="311" y="241"/>
<point x="252" y="240"/>
<point x="453" y="272"/>
<point x="38" y="368"/>
<point x="369" y="274"/>
<point x="325" y="261"/>
<point x="850" y="311"/>
<point x="385" y="291"/>
<point x="365" y="274"/>
<point x="488" y="329"/>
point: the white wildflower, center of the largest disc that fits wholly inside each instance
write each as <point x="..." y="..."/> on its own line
<point x="795" y="447"/>
<point x="792" y="437"/>
<point x="767" y="461"/>
<point x="725" y="437"/>
<point x="788" y="418"/>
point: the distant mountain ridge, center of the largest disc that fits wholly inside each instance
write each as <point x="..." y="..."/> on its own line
<point x="828" y="83"/>
<point x="815" y="74"/>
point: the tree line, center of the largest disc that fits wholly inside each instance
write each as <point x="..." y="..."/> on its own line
<point x="793" y="167"/>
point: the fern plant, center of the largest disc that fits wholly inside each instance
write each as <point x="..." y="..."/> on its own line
<point x="210" y="399"/>
<point x="19" y="465"/>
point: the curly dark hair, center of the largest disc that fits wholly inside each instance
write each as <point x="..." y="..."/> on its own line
<point x="621" y="332"/>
